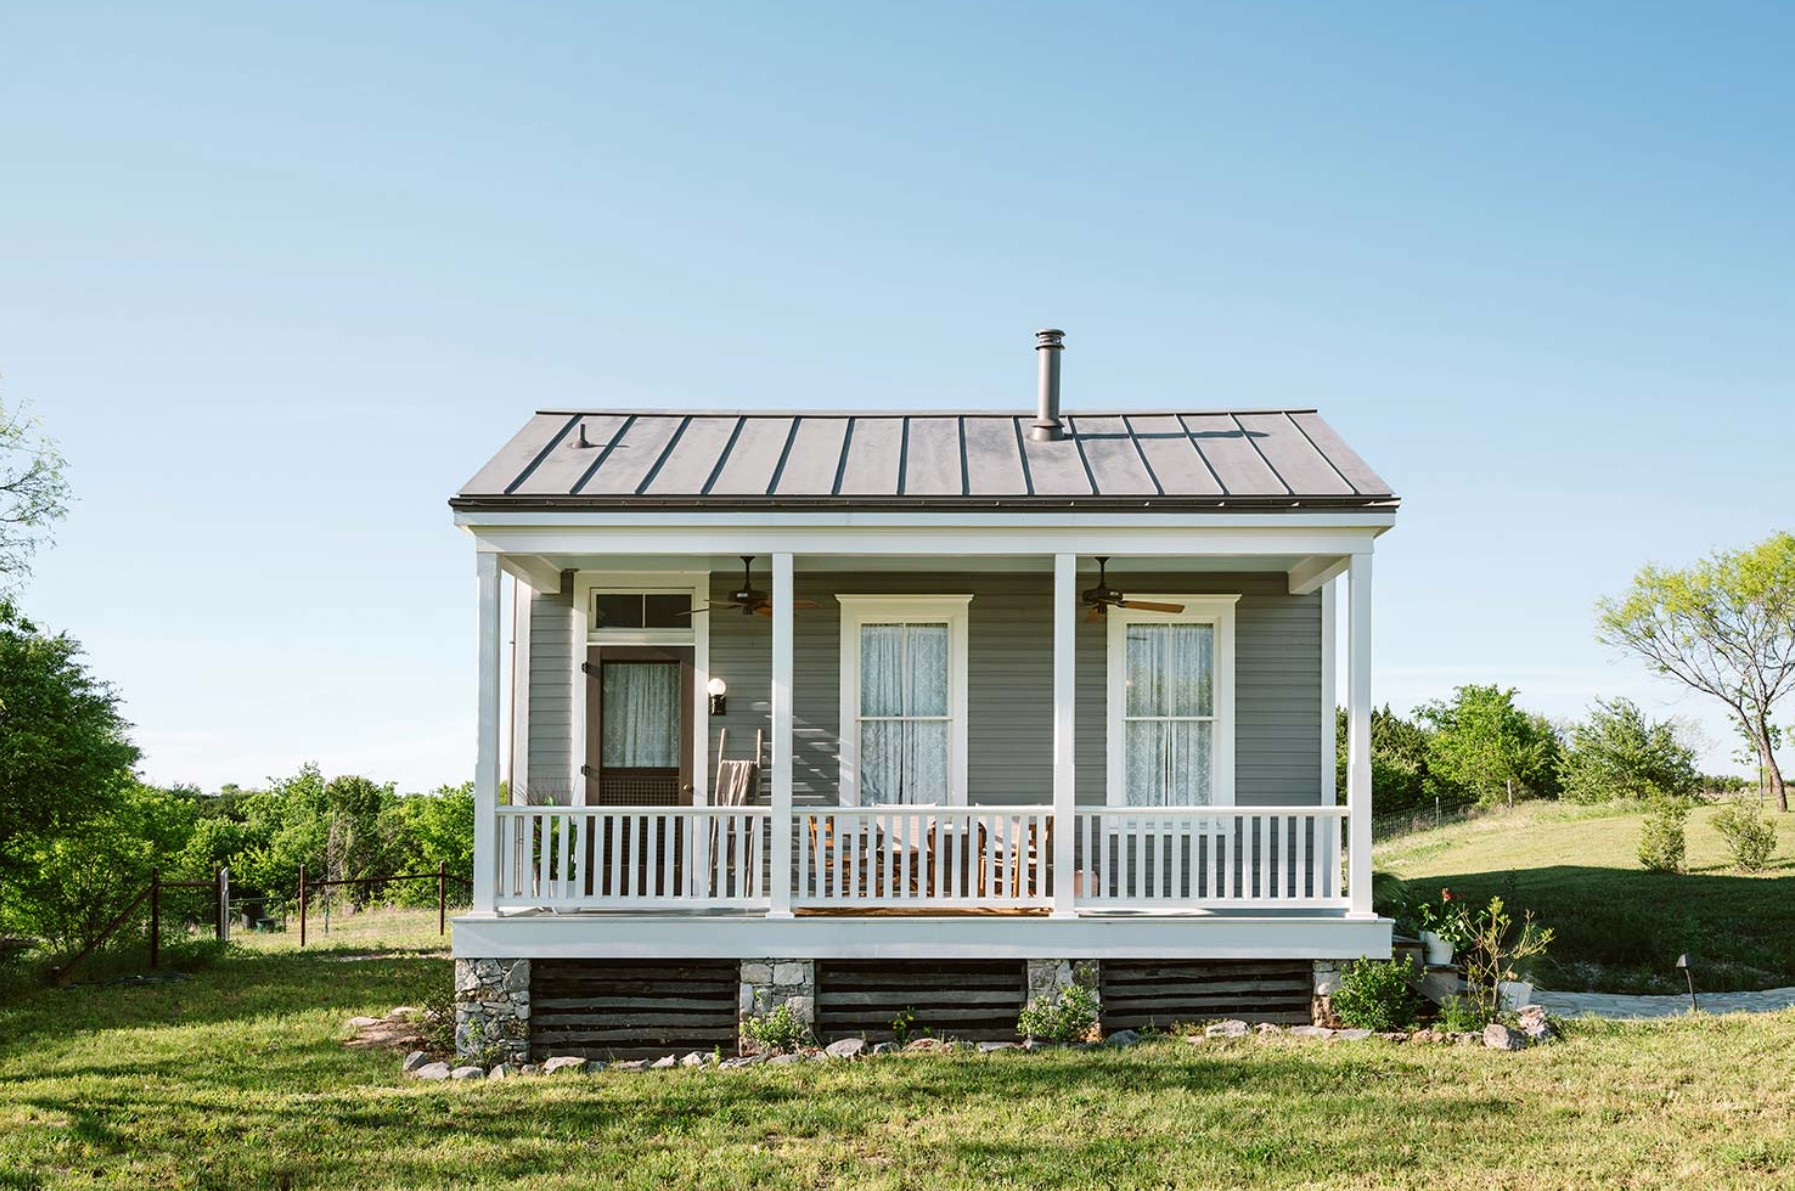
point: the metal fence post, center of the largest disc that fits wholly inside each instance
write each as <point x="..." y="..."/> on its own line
<point x="155" y="918"/>
<point x="442" y="897"/>
<point x="224" y="905"/>
<point x="302" y="905"/>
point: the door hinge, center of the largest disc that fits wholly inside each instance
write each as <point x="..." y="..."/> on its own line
<point x="588" y="668"/>
<point x="588" y="771"/>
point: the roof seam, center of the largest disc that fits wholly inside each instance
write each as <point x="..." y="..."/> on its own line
<point x="1201" y="457"/>
<point x="666" y="453"/>
<point x="785" y="453"/>
<point x="1028" y="476"/>
<point x="841" y="464"/>
<point x="1325" y="457"/>
<point x="1275" y="473"/>
<point x="965" y="472"/>
<point x="1135" y="441"/>
<point x="722" y="457"/>
<point x="553" y="442"/>
<point x="903" y="473"/>
<point x="586" y="476"/>
<point x="1084" y="461"/>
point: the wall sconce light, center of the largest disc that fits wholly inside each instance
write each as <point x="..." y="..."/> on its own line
<point x="1689" y="973"/>
<point x="717" y="689"/>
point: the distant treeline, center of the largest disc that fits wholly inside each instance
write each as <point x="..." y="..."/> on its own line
<point x="1481" y="748"/>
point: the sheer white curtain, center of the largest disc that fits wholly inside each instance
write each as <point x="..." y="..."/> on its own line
<point x="1169" y="720"/>
<point x="641" y="715"/>
<point x="904" y="713"/>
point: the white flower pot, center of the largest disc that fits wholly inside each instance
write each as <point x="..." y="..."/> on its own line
<point x="1437" y="950"/>
<point x="1515" y="993"/>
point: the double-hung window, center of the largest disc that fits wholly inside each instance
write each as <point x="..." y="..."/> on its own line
<point x="903" y="699"/>
<point x="1171" y="704"/>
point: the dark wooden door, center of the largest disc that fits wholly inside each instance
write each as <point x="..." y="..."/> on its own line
<point x="639" y="752"/>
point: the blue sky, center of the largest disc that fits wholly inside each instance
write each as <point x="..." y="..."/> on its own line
<point x="280" y="278"/>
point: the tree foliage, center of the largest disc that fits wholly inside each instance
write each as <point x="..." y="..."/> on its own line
<point x="33" y="492"/>
<point x="1724" y="626"/>
<point x="1618" y="753"/>
<point x="1486" y="748"/>
<point x="1400" y="780"/>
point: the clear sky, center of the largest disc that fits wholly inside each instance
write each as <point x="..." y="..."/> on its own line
<point x="281" y="277"/>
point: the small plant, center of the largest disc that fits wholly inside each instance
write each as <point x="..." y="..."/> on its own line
<point x="436" y="1017"/>
<point x="1445" y="918"/>
<point x="779" y="1031"/>
<point x="1462" y="1015"/>
<point x="1663" y="839"/>
<point x="1750" y="837"/>
<point x="1496" y="950"/>
<point x="1068" y="1016"/>
<point x="903" y="1026"/>
<point x="1376" y="994"/>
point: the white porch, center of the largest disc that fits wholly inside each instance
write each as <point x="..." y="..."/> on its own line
<point x="1042" y="873"/>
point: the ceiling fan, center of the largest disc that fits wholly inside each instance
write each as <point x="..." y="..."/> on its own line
<point x="1103" y="597"/>
<point x="751" y="600"/>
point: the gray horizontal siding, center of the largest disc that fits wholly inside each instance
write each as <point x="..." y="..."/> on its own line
<point x="1010" y="726"/>
<point x="551" y="695"/>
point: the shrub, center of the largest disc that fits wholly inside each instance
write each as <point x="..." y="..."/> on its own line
<point x="1462" y="1015"/>
<point x="1663" y="839"/>
<point x="779" y="1031"/>
<point x="1497" y="953"/>
<point x="1376" y="995"/>
<point x="1619" y="753"/>
<point x="1750" y="837"/>
<point x="1068" y="1016"/>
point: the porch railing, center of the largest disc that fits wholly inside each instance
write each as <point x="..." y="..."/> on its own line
<point x="905" y="857"/>
<point x="568" y="857"/>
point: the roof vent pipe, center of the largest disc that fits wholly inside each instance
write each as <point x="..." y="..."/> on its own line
<point x="1047" y="426"/>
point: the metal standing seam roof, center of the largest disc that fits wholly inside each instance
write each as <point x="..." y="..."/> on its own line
<point x="1264" y="459"/>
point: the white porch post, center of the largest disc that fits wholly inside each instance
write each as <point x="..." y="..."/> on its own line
<point x="486" y="749"/>
<point x="781" y="869"/>
<point x="1358" y="733"/>
<point x="1065" y="789"/>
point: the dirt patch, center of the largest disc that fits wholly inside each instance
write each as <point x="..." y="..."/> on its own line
<point x="398" y="1030"/>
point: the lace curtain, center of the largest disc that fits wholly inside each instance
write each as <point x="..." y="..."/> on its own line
<point x="904" y="710"/>
<point x="641" y="715"/>
<point x="1169" y="727"/>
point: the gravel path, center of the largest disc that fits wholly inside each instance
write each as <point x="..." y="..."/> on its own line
<point x="1615" y="1005"/>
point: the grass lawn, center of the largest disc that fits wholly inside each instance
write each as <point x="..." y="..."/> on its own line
<point x="236" y="1078"/>
<point x="1620" y="928"/>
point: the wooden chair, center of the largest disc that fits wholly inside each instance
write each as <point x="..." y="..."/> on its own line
<point x="1017" y="862"/>
<point x="737" y="784"/>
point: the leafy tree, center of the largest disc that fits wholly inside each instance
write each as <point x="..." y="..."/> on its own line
<point x="1724" y="626"/>
<point x="33" y="492"/>
<point x="1618" y="753"/>
<point x="63" y="745"/>
<point x="1400" y="780"/>
<point x="1489" y="749"/>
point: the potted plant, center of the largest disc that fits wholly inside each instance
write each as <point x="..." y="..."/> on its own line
<point x="1443" y="928"/>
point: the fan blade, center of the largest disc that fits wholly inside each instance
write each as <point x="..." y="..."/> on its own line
<point x="1095" y="614"/>
<point x="1149" y="606"/>
<point x="708" y="607"/>
<point x="763" y="609"/>
<point x="805" y="604"/>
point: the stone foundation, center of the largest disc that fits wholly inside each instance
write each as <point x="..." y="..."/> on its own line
<point x="769" y="983"/>
<point x="1046" y="977"/>
<point x="492" y="1009"/>
<point x="1327" y="979"/>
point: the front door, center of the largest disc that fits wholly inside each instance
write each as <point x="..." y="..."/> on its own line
<point x="639" y="735"/>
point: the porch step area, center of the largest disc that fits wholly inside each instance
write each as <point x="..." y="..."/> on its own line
<point x="625" y="1009"/>
<point x="974" y="1000"/>
<point x="1139" y="994"/>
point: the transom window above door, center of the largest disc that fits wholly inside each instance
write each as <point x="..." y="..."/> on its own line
<point x="1171" y="705"/>
<point x="903" y="712"/>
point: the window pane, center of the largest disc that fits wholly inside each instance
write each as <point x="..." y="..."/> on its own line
<point x="618" y="610"/>
<point x="903" y="761"/>
<point x="928" y="682"/>
<point x="666" y="611"/>
<point x="640" y="715"/>
<point x="1167" y="763"/>
<point x="925" y="761"/>
<point x="881" y="669"/>
<point x="881" y="761"/>
<point x="1170" y="669"/>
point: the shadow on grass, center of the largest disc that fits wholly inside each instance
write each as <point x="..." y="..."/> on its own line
<point x="1738" y="930"/>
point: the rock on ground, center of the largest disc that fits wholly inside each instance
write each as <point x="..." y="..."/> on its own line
<point x="502" y="1071"/>
<point x="468" y="1073"/>
<point x="1499" y="1037"/>
<point x="664" y="1063"/>
<point x="1536" y="1025"/>
<point x="845" y="1048"/>
<point x="1226" y="1029"/>
<point x="573" y="1063"/>
<point x="414" y="1060"/>
<point x="988" y="1047"/>
<point x="1122" y="1038"/>
<point x="362" y="1023"/>
<point x="432" y="1071"/>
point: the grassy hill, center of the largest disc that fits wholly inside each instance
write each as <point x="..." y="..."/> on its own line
<point x="1620" y="928"/>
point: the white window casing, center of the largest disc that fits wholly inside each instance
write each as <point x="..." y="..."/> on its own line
<point x="860" y="610"/>
<point x="1215" y="610"/>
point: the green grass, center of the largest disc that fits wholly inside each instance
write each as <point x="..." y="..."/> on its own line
<point x="1620" y="928"/>
<point x="236" y="1078"/>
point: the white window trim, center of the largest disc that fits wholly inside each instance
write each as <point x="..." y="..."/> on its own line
<point x="1217" y="610"/>
<point x="586" y="585"/>
<point x="951" y="610"/>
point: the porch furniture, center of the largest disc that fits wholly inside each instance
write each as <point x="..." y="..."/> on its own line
<point x="1013" y="867"/>
<point x="727" y="859"/>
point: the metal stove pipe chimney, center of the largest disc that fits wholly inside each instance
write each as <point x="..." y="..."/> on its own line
<point x="1047" y="426"/>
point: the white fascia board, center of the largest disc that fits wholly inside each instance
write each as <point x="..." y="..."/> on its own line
<point x="670" y="936"/>
<point x="1154" y="539"/>
<point x="534" y="571"/>
<point x="1310" y="574"/>
<point x="1380" y="519"/>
